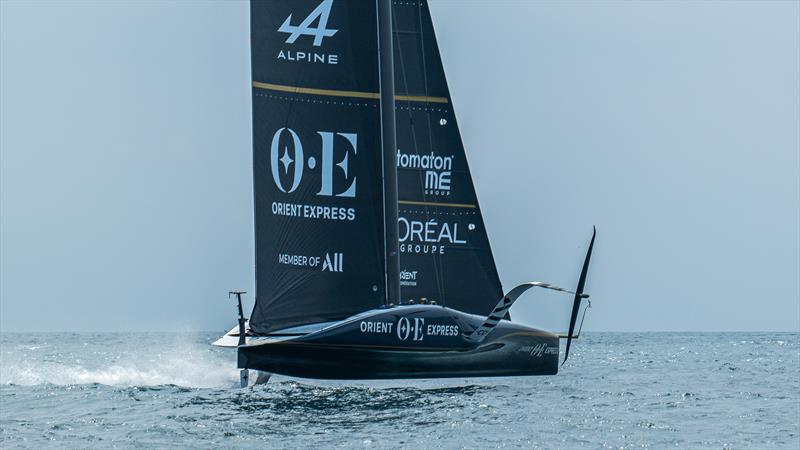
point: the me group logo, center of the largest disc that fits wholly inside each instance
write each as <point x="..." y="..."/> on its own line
<point x="438" y="170"/>
<point x="320" y="15"/>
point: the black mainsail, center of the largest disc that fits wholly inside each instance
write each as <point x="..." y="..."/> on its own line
<point x="323" y="247"/>
<point x="444" y="249"/>
<point x="319" y="210"/>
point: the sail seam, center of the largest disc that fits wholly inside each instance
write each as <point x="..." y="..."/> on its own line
<point x="408" y="210"/>
<point x="321" y="102"/>
<point x="450" y="205"/>
<point x="338" y="93"/>
<point x="346" y="103"/>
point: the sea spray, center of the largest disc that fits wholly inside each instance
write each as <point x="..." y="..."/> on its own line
<point x="127" y="359"/>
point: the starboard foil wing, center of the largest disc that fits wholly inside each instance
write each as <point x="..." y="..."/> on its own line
<point x="504" y="305"/>
<point x="444" y="249"/>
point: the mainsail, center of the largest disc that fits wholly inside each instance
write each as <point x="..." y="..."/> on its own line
<point x="323" y="249"/>
<point x="317" y="162"/>
<point x="444" y="250"/>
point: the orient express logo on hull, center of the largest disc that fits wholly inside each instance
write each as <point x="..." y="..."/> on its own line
<point x="319" y="15"/>
<point x="538" y="350"/>
<point x="438" y="170"/>
<point x="406" y="329"/>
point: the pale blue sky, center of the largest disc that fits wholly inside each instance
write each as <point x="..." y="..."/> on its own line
<point x="125" y="162"/>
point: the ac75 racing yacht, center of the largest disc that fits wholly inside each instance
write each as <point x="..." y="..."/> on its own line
<point x="372" y="259"/>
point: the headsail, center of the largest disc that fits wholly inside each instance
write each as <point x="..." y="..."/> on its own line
<point x="317" y="161"/>
<point x="444" y="250"/>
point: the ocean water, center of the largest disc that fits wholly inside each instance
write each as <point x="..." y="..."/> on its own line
<point x="618" y="390"/>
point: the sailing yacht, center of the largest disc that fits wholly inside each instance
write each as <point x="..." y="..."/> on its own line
<point x="372" y="258"/>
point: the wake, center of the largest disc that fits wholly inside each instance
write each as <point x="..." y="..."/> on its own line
<point x="129" y="363"/>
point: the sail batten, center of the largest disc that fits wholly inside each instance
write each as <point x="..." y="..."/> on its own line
<point x="353" y="94"/>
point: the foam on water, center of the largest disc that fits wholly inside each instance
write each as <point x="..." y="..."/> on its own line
<point x="171" y="360"/>
<point x="194" y="374"/>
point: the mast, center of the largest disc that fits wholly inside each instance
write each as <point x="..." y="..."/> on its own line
<point x="389" y="144"/>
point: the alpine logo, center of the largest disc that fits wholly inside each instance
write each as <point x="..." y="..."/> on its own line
<point x="319" y="15"/>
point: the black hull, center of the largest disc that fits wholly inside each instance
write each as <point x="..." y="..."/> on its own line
<point x="338" y="353"/>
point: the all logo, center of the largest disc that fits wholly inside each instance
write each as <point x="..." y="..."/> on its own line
<point x="333" y="263"/>
<point x="290" y="160"/>
<point x="321" y="15"/>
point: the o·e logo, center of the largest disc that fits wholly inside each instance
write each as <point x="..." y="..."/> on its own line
<point x="286" y="159"/>
<point x="296" y="160"/>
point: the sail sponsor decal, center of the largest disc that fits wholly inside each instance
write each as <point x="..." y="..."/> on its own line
<point x="334" y="263"/>
<point x="297" y="162"/>
<point x="408" y="277"/>
<point x="308" y="211"/>
<point x="331" y="161"/>
<point x="409" y="329"/>
<point x="438" y="170"/>
<point x="429" y="237"/>
<point x="539" y="350"/>
<point x="330" y="261"/>
<point x="320" y="16"/>
<point x="289" y="162"/>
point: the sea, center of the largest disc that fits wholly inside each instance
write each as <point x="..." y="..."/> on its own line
<point x="617" y="390"/>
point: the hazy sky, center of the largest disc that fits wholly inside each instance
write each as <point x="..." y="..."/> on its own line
<point x="125" y="159"/>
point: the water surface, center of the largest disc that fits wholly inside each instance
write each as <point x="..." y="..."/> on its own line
<point x="619" y="390"/>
